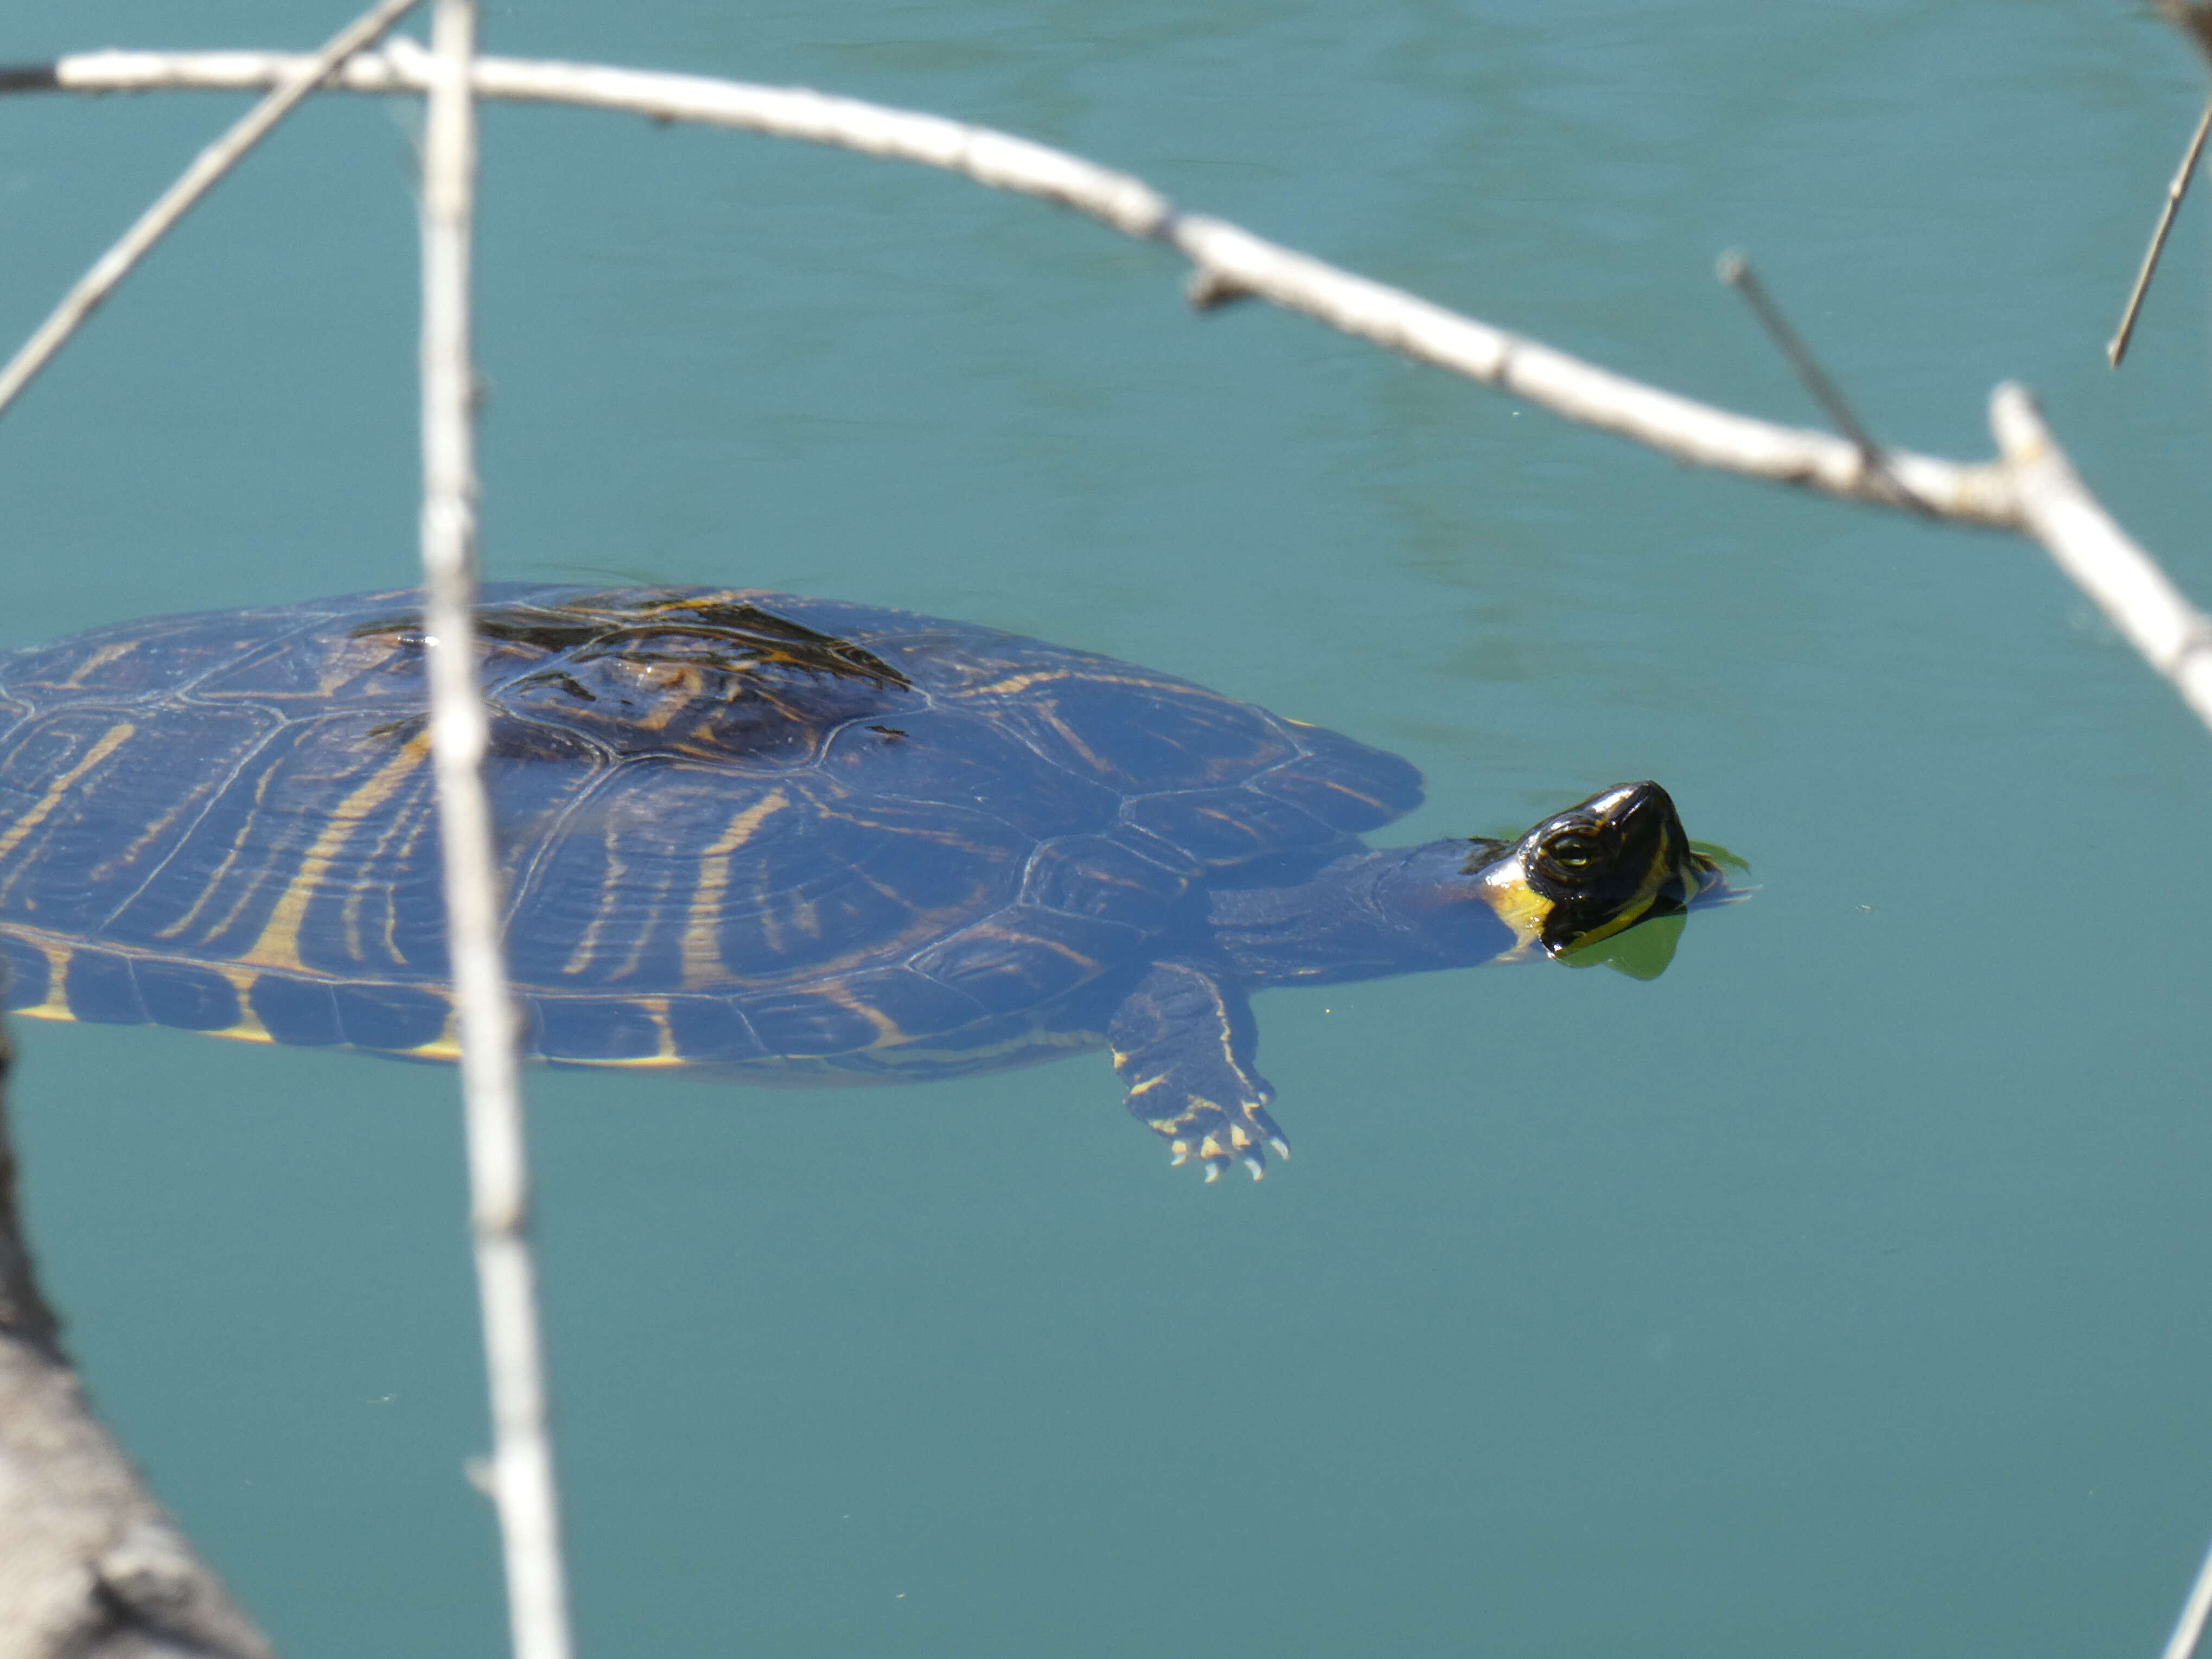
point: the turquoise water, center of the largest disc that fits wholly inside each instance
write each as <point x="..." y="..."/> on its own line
<point x="1840" y="1290"/>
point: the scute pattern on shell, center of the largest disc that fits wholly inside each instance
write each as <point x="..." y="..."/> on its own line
<point x="720" y="852"/>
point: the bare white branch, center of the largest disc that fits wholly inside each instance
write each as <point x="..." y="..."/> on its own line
<point x="2057" y="509"/>
<point x="522" y="1482"/>
<point x="1231" y="261"/>
<point x="2188" y="1629"/>
<point x="295" y="83"/>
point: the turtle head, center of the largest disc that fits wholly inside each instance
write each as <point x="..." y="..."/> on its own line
<point x="1595" y="870"/>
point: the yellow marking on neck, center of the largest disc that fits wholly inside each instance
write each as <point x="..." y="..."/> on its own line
<point x="113" y="739"/>
<point x="279" y="943"/>
<point x="1506" y="889"/>
<point x="703" y="942"/>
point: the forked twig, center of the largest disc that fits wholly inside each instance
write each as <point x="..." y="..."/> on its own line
<point x="2116" y="347"/>
<point x="2126" y="583"/>
<point x="1736" y="270"/>
<point x="522" y="1482"/>
<point x="299" y="79"/>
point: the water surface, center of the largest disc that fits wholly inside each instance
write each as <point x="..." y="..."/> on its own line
<point x="1837" y="1289"/>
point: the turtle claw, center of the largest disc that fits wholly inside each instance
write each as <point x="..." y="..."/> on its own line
<point x="1216" y="1137"/>
<point x="1182" y="1047"/>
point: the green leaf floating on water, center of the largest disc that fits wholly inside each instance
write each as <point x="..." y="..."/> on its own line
<point x="1641" y="953"/>
<point x="1721" y="855"/>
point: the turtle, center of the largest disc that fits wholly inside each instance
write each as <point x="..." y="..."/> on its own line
<point x="776" y="838"/>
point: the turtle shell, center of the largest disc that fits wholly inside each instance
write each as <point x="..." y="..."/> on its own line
<point x="738" y="829"/>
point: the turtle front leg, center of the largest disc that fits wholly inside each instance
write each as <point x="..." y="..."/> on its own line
<point x="1183" y="1044"/>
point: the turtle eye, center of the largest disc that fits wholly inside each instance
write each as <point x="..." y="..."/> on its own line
<point x="1571" y="851"/>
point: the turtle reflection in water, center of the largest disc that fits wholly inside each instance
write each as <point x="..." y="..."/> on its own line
<point x="781" y="838"/>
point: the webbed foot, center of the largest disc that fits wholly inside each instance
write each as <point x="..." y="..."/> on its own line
<point x="1217" y="1135"/>
<point x="1182" y="1044"/>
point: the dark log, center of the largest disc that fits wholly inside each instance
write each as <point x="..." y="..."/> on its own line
<point x="91" y="1567"/>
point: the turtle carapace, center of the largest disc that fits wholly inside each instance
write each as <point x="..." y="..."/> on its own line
<point x="786" y="838"/>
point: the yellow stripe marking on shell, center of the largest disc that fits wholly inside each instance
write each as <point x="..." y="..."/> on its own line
<point x="249" y="1028"/>
<point x="702" y="943"/>
<point x="113" y="739"/>
<point x="447" y="1045"/>
<point x="152" y="832"/>
<point x="56" y="1006"/>
<point x="656" y="1010"/>
<point x="588" y="945"/>
<point x="279" y="943"/>
<point x="1016" y="683"/>
<point x="889" y="1034"/>
<point x="213" y="883"/>
<point x="356" y="944"/>
<point x="114" y="651"/>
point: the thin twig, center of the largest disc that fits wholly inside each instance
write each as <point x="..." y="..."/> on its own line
<point x="522" y="1480"/>
<point x="299" y="80"/>
<point x="1735" y="269"/>
<point x="2117" y="347"/>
